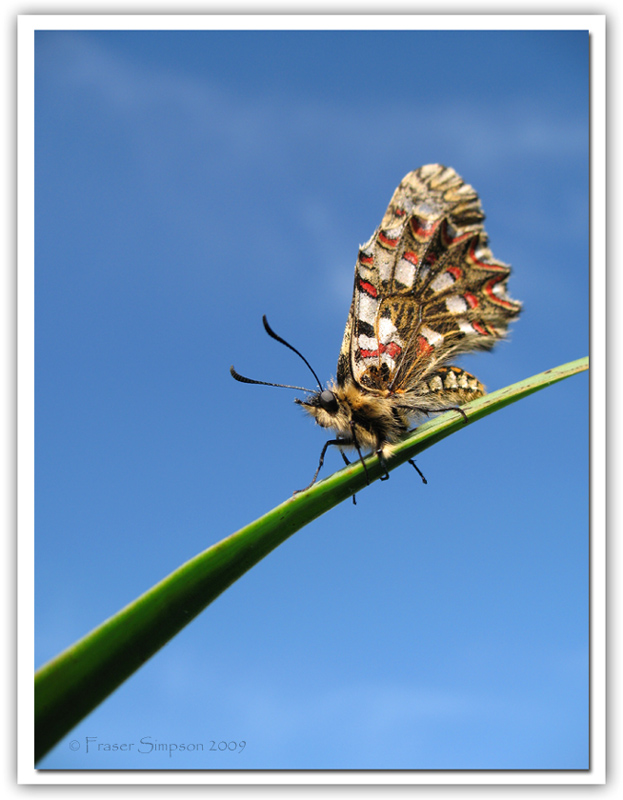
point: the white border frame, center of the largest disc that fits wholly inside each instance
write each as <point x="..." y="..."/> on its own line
<point x="27" y="25"/>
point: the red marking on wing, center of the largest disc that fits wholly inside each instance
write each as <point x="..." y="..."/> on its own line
<point x="472" y="301"/>
<point x="410" y="256"/>
<point x="448" y="239"/>
<point x="366" y="259"/>
<point x="368" y="288"/>
<point x="488" y="288"/>
<point x="423" y="347"/>
<point x="478" y="327"/>
<point x="387" y="241"/>
<point x="456" y="272"/>
<point x="471" y="254"/>
<point x="392" y="349"/>
<point x="423" y="230"/>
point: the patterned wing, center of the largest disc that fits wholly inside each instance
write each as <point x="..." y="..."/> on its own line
<point x="427" y="287"/>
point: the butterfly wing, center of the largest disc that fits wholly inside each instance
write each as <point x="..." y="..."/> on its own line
<point x="427" y="287"/>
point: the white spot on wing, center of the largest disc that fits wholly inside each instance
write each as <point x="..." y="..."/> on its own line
<point x="384" y="261"/>
<point x="405" y="272"/>
<point x="452" y="231"/>
<point x="368" y="306"/>
<point x="499" y="290"/>
<point x="366" y="271"/>
<point x="367" y="343"/>
<point x="466" y="327"/>
<point x="456" y="304"/>
<point x="442" y="282"/>
<point x="431" y="336"/>
<point x="387" y="330"/>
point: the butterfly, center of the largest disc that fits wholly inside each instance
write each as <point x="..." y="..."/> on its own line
<point x="427" y="289"/>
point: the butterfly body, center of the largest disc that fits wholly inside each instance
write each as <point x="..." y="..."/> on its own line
<point x="372" y="420"/>
<point x="376" y="420"/>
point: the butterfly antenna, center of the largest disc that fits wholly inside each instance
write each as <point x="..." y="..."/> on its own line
<point x="237" y="376"/>
<point x="272" y="333"/>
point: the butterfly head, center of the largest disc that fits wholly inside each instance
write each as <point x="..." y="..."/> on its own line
<point x="322" y="403"/>
<point x="328" y="408"/>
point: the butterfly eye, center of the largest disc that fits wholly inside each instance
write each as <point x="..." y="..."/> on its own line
<point x="328" y="402"/>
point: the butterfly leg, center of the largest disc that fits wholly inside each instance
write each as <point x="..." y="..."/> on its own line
<point x="383" y="463"/>
<point x="460" y="410"/>
<point x="411" y="461"/>
<point x="347" y="462"/>
<point x="321" y="462"/>
<point x="418" y="470"/>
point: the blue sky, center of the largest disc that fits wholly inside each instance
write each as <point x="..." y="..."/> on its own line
<point x="186" y="184"/>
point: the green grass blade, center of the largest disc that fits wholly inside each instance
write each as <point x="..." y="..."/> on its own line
<point x="76" y="681"/>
